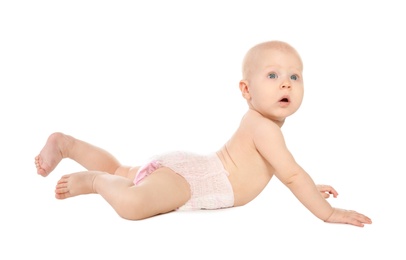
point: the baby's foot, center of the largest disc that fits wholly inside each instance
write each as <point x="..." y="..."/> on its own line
<point x="51" y="154"/>
<point x="75" y="184"/>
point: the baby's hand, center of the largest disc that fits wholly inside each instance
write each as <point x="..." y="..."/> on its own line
<point x="326" y="190"/>
<point x="348" y="217"/>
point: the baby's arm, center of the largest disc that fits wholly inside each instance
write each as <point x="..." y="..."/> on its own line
<point x="270" y="143"/>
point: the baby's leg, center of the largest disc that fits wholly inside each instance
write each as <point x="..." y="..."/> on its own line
<point x="59" y="146"/>
<point x="161" y="192"/>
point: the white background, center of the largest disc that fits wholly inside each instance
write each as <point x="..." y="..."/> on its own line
<point x="146" y="77"/>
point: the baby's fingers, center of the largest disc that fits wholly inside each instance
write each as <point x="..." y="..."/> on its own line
<point x="359" y="219"/>
<point x="325" y="195"/>
<point x="327" y="190"/>
<point x="348" y="217"/>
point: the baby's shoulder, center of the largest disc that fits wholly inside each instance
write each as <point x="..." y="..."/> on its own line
<point x="259" y="131"/>
<point x="262" y="129"/>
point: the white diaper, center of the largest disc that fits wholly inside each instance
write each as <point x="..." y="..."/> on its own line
<point x="209" y="184"/>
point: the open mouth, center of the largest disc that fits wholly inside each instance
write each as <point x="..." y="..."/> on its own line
<point x="284" y="99"/>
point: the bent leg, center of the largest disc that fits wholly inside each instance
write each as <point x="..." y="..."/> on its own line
<point x="127" y="172"/>
<point x="59" y="146"/>
<point x="162" y="192"/>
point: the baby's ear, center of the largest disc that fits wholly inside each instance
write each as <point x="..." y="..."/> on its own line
<point x="245" y="91"/>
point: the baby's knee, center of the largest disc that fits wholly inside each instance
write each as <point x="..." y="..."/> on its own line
<point x="122" y="171"/>
<point x="133" y="216"/>
<point x="133" y="209"/>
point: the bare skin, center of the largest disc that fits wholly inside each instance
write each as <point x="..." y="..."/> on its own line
<point x="114" y="182"/>
<point x="272" y="86"/>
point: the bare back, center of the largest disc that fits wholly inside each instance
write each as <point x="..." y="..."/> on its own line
<point x="249" y="171"/>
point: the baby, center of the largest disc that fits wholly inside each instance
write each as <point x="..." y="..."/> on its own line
<point x="272" y="86"/>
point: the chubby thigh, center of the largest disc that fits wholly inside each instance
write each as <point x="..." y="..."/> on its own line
<point x="162" y="192"/>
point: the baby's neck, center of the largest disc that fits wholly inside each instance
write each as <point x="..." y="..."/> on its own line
<point x="276" y="121"/>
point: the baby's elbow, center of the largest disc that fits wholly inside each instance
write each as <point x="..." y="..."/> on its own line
<point x="294" y="174"/>
<point x="290" y="180"/>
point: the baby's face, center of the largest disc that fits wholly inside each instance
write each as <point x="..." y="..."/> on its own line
<point x="276" y="84"/>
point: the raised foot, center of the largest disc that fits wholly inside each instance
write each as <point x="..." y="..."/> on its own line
<point x="51" y="154"/>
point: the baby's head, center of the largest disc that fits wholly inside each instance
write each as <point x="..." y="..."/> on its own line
<point x="272" y="81"/>
<point x="255" y="56"/>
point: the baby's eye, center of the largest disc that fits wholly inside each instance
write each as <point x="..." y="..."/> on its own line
<point x="294" y="77"/>
<point x="272" y="76"/>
